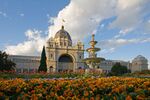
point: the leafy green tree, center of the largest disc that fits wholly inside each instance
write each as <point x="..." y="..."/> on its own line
<point x="118" y="69"/>
<point x="5" y="63"/>
<point x="43" y="65"/>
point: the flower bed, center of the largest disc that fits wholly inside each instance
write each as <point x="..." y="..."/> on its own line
<point x="63" y="89"/>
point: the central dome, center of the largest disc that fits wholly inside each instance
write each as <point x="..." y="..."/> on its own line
<point x="63" y="34"/>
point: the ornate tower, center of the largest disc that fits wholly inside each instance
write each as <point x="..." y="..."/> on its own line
<point x="62" y="55"/>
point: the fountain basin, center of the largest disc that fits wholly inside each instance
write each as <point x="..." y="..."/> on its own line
<point x="93" y="60"/>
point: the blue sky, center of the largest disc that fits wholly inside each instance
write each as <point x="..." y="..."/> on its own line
<point x="122" y="27"/>
<point x="22" y="15"/>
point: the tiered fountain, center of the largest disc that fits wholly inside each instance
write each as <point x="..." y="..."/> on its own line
<point x="93" y="61"/>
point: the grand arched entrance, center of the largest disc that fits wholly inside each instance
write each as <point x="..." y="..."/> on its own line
<point x="65" y="63"/>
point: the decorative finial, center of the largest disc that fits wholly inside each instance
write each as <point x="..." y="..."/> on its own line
<point x="63" y="21"/>
<point x="62" y="27"/>
<point x="93" y="37"/>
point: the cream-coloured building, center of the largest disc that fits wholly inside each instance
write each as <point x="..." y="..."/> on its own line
<point x="25" y="63"/>
<point x="62" y="55"/>
<point x="139" y="63"/>
<point x="106" y="65"/>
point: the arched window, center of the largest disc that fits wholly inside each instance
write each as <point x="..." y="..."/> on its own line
<point x="80" y="56"/>
<point x="64" y="43"/>
<point x="51" y="55"/>
<point x="51" y="69"/>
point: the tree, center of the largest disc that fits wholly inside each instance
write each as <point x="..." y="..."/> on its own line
<point x="5" y="63"/>
<point x="43" y="65"/>
<point x="118" y="69"/>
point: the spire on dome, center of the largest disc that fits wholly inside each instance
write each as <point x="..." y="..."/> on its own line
<point x="62" y="27"/>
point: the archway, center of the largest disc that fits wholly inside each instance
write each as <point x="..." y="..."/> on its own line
<point x="51" y="69"/>
<point x="65" y="63"/>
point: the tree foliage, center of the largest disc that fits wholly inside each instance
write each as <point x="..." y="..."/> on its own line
<point x="43" y="65"/>
<point x="118" y="69"/>
<point x="5" y="63"/>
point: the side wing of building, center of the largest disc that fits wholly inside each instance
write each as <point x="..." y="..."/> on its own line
<point x="25" y="63"/>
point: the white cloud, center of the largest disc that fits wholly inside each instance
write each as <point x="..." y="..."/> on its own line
<point x="123" y="32"/>
<point x="51" y="20"/>
<point x="130" y="15"/>
<point x="114" y="43"/>
<point x="145" y="40"/>
<point x="82" y="17"/>
<point x="102" y="25"/>
<point x="21" y="14"/>
<point x="109" y="46"/>
<point x="3" y="14"/>
<point x="147" y="27"/>
<point x="33" y="34"/>
<point x="107" y="51"/>
<point x="32" y="46"/>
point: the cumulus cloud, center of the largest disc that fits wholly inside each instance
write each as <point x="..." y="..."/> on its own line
<point x="121" y="42"/>
<point x="32" y="46"/>
<point x="82" y="17"/>
<point x="129" y="14"/>
<point x="109" y="46"/>
<point x="114" y="43"/>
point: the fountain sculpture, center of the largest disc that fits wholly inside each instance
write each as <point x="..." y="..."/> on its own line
<point x="93" y="61"/>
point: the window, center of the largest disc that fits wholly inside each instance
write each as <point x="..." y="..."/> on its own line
<point x="51" y="68"/>
<point x="60" y="43"/>
<point x="25" y="70"/>
<point x="79" y="48"/>
<point x="64" y="43"/>
<point x="51" y="45"/>
<point x="31" y="70"/>
<point x="80" y="57"/>
<point x="51" y="55"/>
<point x="18" y="70"/>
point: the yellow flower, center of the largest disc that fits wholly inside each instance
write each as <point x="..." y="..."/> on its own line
<point x="97" y="97"/>
<point x="52" y="94"/>
<point x="61" y="98"/>
<point x="86" y="93"/>
<point x="128" y="97"/>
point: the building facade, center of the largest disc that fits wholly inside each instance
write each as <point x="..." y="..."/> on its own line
<point x="31" y="64"/>
<point x="139" y="63"/>
<point x="106" y="65"/>
<point x="25" y="63"/>
<point x="62" y="55"/>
